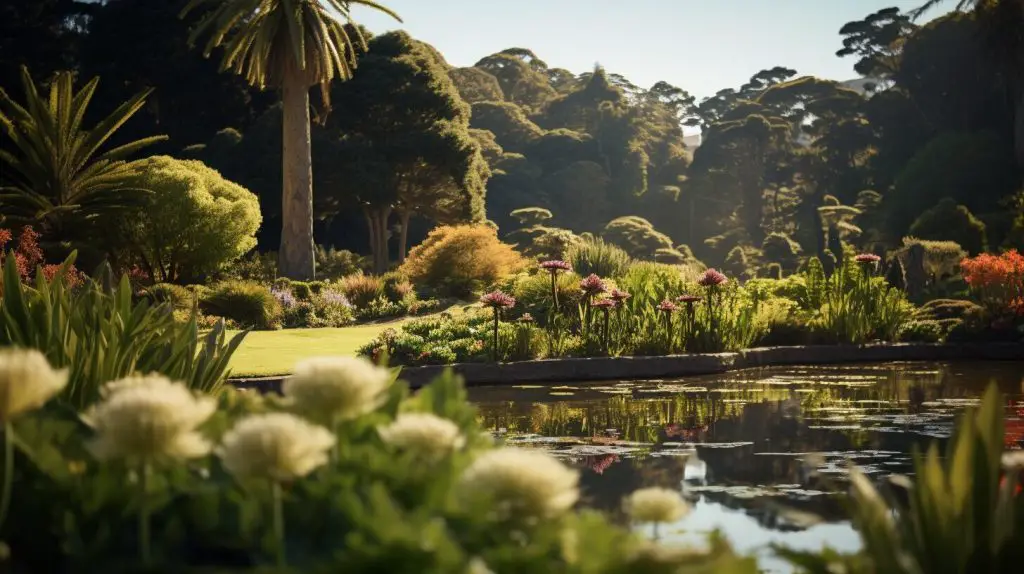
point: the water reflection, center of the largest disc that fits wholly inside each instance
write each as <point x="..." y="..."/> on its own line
<point x="762" y="454"/>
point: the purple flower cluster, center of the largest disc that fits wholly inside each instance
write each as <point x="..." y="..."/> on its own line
<point x="593" y="285"/>
<point x="712" y="278"/>
<point x="606" y="303"/>
<point x="285" y="298"/>
<point x="334" y="298"/>
<point x="689" y="299"/>
<point x="555" y="265"/>
<point x="498" y="300"/>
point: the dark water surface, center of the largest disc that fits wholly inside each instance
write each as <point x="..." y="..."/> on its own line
<point x="760" y="454"/>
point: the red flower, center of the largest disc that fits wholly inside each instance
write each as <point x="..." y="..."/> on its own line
<point x="620" y="296"/>
<point x="712" y="278"/>
<point x="498" y="300"/>
<point x="667" y="306"/>
<point x="607" y="303"/>
<point x="997" y="280"/>
<point x="689" y="299"/>
<point x="555" y="265"/>
<point x="867" y="258"/>
<point x="593" y="285"/>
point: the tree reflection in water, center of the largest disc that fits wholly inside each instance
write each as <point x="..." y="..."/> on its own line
<point x="773" y="443"/>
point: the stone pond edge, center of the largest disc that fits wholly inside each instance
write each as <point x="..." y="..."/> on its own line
<point x="672" y="366"/>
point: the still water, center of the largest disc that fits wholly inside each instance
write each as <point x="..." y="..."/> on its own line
<point x="762" y="454"/>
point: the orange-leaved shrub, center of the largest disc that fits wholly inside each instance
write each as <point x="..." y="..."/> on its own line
<point x="459" y="260"/>
<point x="997" y="281"/>
<point x="28" y="256"/>
<point x="361" y="290"/>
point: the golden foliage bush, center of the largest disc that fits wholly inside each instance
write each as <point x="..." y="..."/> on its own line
<point x="460" y="260"/>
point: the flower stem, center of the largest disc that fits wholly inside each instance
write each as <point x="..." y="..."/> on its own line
<point x="657" y="536"/>
<point x="278" y="522"/>
<point x="5" y="496"/>
<point x="144" y="537"/>
<point x="497" y="315"/>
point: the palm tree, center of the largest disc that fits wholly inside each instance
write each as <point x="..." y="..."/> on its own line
<point x="56" y="178"/>
<point x="1001" y="25"/>
<point x="291" y="45"/>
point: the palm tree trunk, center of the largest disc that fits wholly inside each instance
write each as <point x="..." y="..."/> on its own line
<point x="296" y="254"/>
<point x="403" y="237"/>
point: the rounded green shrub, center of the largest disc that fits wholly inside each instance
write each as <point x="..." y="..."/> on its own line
<point x="948" y="221"/>
<point x="302" y="290"/>
<point x="179" y="297"/>
<point x="594" y="255"/>
<point x="193" y="223"/>
<point x="248" y="303"/>
<point x="779" y="248"/>
<point x="397" y="288"/>
<point x="923" y="331"/>
<point x="460" y="260"/>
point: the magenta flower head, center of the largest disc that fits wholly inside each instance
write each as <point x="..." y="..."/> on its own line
<point x="712" y="278"/>
<point x="667" y="306"/>
<point x="526" y="318"/>
<point x="498" y="300"/>
<point x="593" y="285"/>
<point x="605" y="303"/>
<point x="555" y="265"/>
<point x="867" y="258"/>
<point x="689" y="299"/>
<point x="619" y="296"/>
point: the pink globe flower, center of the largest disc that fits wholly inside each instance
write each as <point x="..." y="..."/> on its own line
<point x="689" y="299"/>
<point x="498" y="300"/>
<point x="593" y="285"/>
<point x="867" y="258"/>
<point x="555" y="265"/>
<point x="606" y="303"/>
<point x="526" y="318"/>
<point x="667" y="306"/>
<point x="712" y="278"/>
<point x="619" y="296"/>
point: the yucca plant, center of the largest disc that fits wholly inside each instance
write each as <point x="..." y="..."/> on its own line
<point x="57" y="177"/>
<point x="964" y="512"/>
<point x="101" y="334"/>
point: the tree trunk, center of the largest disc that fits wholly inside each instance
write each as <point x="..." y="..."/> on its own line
<point x="382" y="241"/>
<point x="295" y="259"/>
<point x="372" y="229"/>
<point x="1018" y="131"/>
<point x="403" y="237"/>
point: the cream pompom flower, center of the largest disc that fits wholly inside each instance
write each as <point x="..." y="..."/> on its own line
<point x="522" y="482"/>
<point x="149" y="417"/>
<point x="337" y="388"/>
<point x="27" y="382"/>
<point x="278" y="446"/>
<point x="655" y="505"/>
<point x="423" y="433"/>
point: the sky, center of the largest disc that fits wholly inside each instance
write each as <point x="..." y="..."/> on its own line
<point x="701" y="46"/>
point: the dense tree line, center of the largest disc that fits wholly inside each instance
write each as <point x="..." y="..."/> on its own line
<point x="788" y="164"/>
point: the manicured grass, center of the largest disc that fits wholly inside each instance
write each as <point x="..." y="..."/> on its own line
<point x="270" y="353"/>
<point x="274" y="353"/>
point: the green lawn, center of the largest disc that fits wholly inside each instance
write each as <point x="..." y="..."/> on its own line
<point x="273" y="353"/>
<point x="270" y="353"/>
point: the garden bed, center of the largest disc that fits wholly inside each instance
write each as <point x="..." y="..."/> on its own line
<point x="615" y="368"/>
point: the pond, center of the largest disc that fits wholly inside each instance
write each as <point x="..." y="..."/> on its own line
<point x="761" y="454"/>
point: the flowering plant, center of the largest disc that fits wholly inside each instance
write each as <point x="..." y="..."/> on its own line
<point x="997" y="281"/>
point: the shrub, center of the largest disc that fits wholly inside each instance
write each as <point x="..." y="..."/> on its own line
<point x="253" y="266"/>
<point x="301" y="290"/>
<point x="543" y="242"/>
<point x="997" y="281"/>
<point x="923" y="331"/>
<point x="250" y="304"/>
<point x="380" y="308"/>
<point x="193" y="223"/>
<point x="397" y="289"/>
<point x="533" y="294"/>
<point x="460" y="260"/>
<point x="333" y="263"/>
<point x="100" y="334"/>
<point x="637" y="236"/>
<point x="794" y="330"/>
<point x="28" y="258"/>
<point x="362" y="289"/>
<point x="176" y="295"/>
<point x="944" y="309"/>
<point x="948" y="221"/>
<point x="595" y="256"/>
<point x="736" y="263"/>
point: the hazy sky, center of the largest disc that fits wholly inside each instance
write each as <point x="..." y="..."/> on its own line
<point x="701" y="46"/>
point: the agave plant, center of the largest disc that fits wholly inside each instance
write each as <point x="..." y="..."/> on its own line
<point x="56" y="172"/>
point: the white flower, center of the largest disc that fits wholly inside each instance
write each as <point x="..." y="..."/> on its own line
<point x="478" y="566"/>
<point x="655" y="505"/>
<point x="424" y="433"/>
<point x="27" y="381"/>
<point x="279" y="446"/>
<point x="149" y="417"/>
<point x="1013" y="459"/>
<point x="337" y="388"/>
<point x="528" y="482"/>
